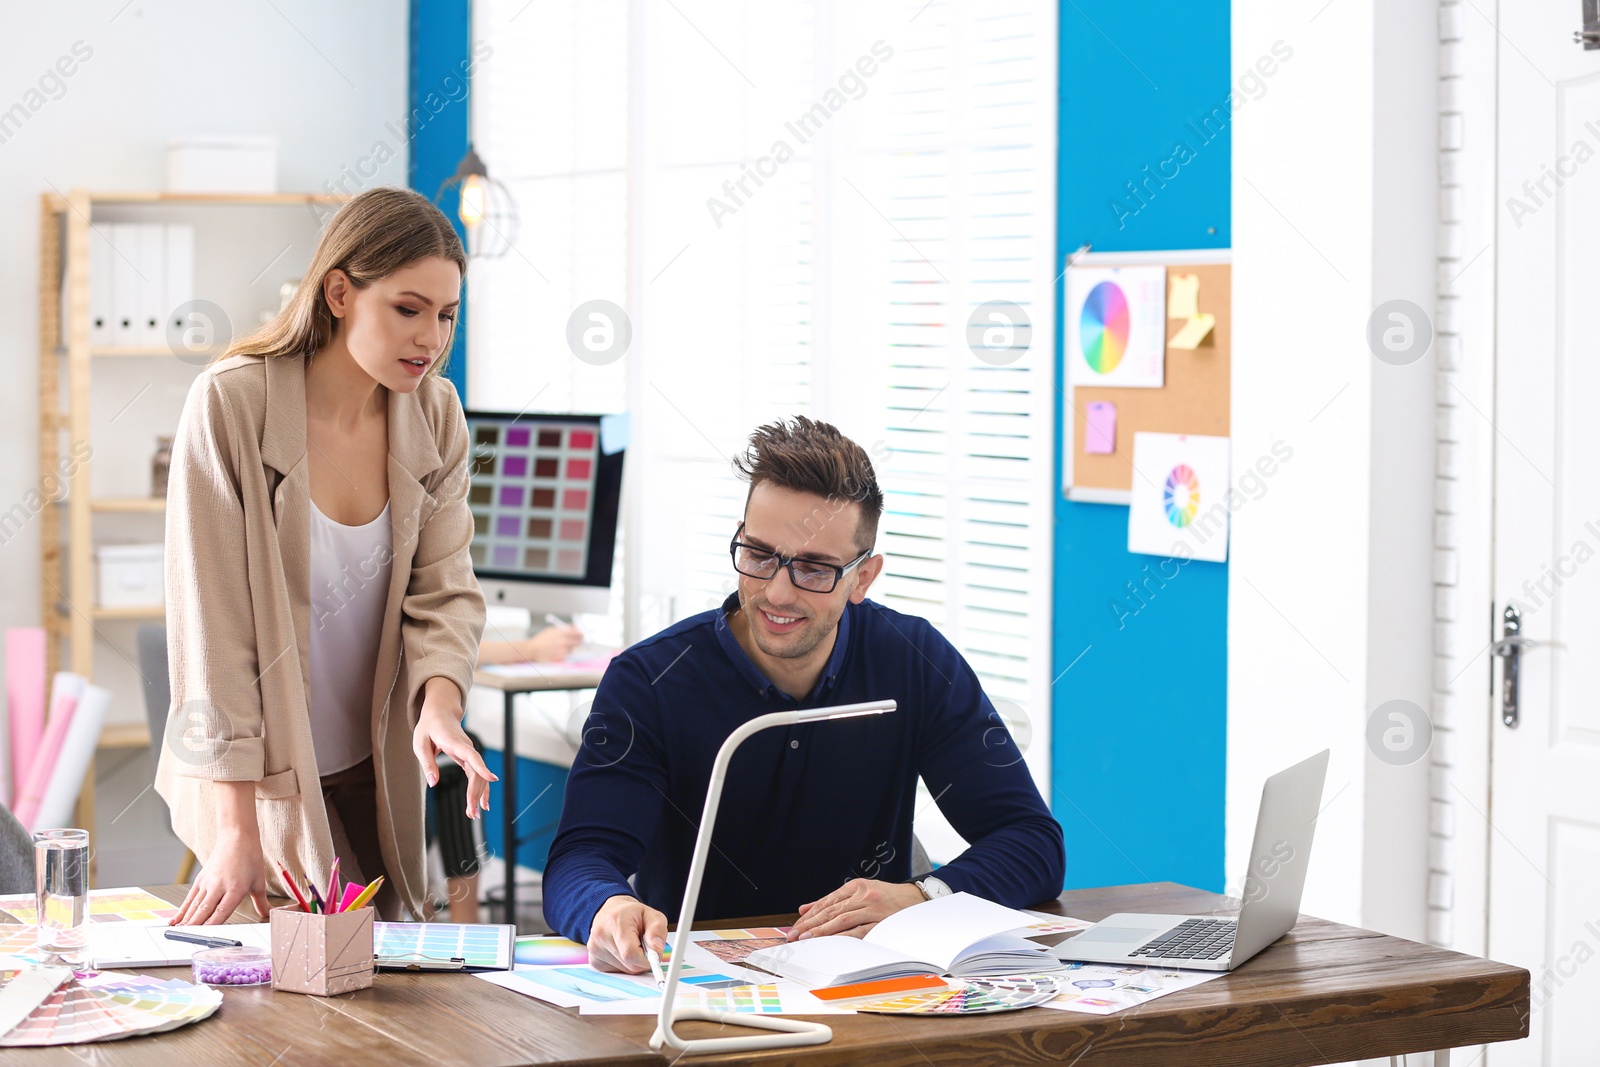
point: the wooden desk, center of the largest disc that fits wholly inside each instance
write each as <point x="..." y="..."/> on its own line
<point x="541" y="678"/>
<point x="1323" y="994"/>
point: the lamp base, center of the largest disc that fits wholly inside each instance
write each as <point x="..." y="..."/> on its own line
<point x="795" y="1032"/>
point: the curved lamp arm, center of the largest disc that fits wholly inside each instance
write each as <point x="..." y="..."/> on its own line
<point x="794" y="1031"/>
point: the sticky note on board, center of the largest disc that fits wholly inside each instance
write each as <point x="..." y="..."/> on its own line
<point x="1194" y="331"/>
<point x="1100" y="432"/>
<point x="1183" y="298"/>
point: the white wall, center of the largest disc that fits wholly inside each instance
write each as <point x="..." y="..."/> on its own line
<point x="325" y="79"/>
<point x="1400" y="581"/>
<point x="1329" y="609"/>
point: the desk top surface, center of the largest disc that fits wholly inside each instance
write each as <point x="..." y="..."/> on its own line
<point x="1322" y="994"/>
<point x="538" y="678"/>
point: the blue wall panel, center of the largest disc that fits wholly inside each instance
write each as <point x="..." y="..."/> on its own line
<point x="1140" y="728"/>
<point x="437" y="124"/>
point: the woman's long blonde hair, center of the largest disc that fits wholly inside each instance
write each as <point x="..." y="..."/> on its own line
<point x="370" y="237"/>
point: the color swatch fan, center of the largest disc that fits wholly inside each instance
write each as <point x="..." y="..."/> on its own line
<point x="60" y="1007"/>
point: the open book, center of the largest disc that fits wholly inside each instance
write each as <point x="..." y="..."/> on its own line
<point x="959" y="935"/>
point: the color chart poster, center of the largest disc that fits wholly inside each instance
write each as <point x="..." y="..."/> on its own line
<point x="532" y="496"/>
<point x="1179" y="498"/>
<point x="1116" y="326"/>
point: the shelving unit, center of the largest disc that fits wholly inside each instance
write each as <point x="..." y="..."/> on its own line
<point x="66" y="587"/>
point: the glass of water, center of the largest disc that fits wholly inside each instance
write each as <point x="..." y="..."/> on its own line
<point x="61" y="878"/>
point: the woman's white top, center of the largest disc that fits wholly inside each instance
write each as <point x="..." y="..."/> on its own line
<point x="350" y="569"/>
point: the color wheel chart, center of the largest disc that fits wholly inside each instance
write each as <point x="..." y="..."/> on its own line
<point x="485" y="947"/>
<point x="532" y="495"/>
<point x="1103" y="327"/>
<point x="1116" y="326"/>
<point x="1181" y="495"/>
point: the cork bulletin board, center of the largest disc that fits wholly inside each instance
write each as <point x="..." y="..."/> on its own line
<point x="1193" y="400"/>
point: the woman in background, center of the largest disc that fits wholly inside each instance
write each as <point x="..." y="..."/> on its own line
<point x="322" y="615"/>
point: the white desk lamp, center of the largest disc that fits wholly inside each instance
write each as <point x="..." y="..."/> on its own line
<point x="794" y="1031"/>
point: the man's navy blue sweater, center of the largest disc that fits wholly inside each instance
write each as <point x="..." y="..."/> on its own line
<point x="805" y="808"/>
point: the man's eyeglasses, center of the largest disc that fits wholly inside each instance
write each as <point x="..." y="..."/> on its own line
<point x="812" y="575"/>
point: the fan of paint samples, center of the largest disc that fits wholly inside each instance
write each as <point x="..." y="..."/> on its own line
<point x="983" y="996"/>
<point x="59" y="1006"/>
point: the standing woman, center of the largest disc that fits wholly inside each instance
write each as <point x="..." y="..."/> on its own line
<point x="322" y="615"/>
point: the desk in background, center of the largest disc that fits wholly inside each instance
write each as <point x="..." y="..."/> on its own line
<point x="1324" y="994"/>
<point x="539" y="678"/>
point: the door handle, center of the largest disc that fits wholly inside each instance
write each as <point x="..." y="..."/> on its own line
<point x="1509" y="649"/>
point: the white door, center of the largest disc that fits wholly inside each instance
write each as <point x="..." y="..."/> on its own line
<point x="1544" y="836"/>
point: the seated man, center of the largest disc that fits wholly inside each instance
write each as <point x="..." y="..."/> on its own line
<point x="815" y="818"/>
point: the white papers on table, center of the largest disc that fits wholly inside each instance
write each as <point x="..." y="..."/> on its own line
<point x="1180" y="497"/>
<point x="1103" y="988"/>
<point x="596" y="992"/>
<point x="145" y="944"/>
<point x="1045" y="924"/>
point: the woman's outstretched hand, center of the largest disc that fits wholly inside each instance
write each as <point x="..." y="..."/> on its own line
<point x="439" y="730"/>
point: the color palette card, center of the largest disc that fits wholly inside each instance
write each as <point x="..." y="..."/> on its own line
<point x="532" y="496"/>
<point x="484" y="947"/>
<point x="105" y="905"/>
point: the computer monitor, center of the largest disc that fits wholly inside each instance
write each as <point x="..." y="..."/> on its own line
<point x="545" y="492"/>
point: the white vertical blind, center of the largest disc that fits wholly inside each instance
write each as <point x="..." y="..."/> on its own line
<point x="828" y="192"/>
<point x="946" y="193"/>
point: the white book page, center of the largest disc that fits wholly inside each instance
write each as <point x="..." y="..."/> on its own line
<point x="939" y="930"/>
<point x="830" y="956"/>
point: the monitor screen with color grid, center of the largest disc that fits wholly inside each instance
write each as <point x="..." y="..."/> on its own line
<point x="544" y="497"/>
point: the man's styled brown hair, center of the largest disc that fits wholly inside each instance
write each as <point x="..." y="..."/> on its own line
<point x="807" y="456"/>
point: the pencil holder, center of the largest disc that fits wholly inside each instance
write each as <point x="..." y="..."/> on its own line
<point x="323" y="955"/>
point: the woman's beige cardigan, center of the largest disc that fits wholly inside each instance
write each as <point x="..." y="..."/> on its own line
<point x="239" y="613"/>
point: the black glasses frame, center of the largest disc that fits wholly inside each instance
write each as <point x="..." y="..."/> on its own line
<point x="787" y="563"/>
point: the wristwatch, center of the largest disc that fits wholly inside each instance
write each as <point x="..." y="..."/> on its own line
<point x="931" y="887"/>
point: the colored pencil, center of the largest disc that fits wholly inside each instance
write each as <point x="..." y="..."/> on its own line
<point x="294" y="889"/>
<point x="332" y="895"/>
<point x="367" y="894"/>
<point x="316" y="900"/>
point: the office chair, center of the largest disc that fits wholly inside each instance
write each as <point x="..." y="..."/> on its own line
<point x="157" y="705"/>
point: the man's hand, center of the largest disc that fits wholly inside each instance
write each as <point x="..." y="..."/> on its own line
<point x="854" y="908"/>
<point x="621" y="930"/>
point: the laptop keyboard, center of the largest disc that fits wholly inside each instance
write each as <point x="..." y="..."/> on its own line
<point x="1194" y="939"/>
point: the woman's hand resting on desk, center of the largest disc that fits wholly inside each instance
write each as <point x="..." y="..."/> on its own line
<point x="234" y="870"/>
<point x="439" y="730"/>
<point x="854" y="908"/>
<point x="619" y="933"/>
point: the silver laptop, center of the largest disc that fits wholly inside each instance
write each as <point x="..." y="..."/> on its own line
<point x="1289" y="806"/>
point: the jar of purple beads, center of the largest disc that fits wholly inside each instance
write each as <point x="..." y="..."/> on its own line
<point x="233" y="966"/>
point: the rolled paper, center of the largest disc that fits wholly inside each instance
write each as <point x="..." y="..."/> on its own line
<point x="65" y="692"/>
<point x="25" y="678"/>
<point x="77" y="753"/>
